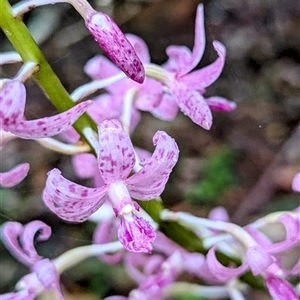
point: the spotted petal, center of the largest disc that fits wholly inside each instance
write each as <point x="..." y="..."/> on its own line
<point x="192" y="104"/>
<point x="50" y="126"/>
<point x="71" y="201"/>
<point x="12" y="104"/>
<point x="14" y="176"/>
<point x="150" y="181"/>
<point x="116" y="157"/>
<point x="113" y="41"/>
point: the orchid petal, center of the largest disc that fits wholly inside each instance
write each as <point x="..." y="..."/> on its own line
<point x="292" y="228"/>
<point x="150" y="95"/>
<point x="71" y="201"/>
<point x="113" y="41"/>
<point x="116" y="157"/>
<point x="48" y="276"/>
<point x="220" y="104"/>
<point x="179" y="57"/>
<point x="20" y="295"/>
<point x="258" y="260"/>
<point x="296" y="183"/>
<point x="192" y="104"/>
<point x="135" y="233"/>
<point x="14" y="176"/>
<point x="221" y="272"/>
<point x="149" y="182"/>
<point x="19" y="240"/>
<point x="106" y="107"/>
<point x="85" y="165"/>
<point x="12" y="104"/>
<point x="167" y="109"/>
<point x="204" y="77"/>
<point x="140" y="47"/>
<point x="280" y="289"/>
<point x="49" y="126"/>
<point x="186" y="63"/>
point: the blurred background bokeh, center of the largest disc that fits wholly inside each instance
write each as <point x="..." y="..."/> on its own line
<point x="245" y="162"/>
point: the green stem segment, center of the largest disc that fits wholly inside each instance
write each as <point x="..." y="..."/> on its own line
<point x="24" y="44"/>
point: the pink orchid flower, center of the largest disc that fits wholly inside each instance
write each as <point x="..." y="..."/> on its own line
<point x="261" y="260"/>
<point x="14" y="176"/>
<point x="116" y="159"/>
<point x="19" y="240"/>
<point x="12" y="106"/>
<point x="186" y="87"/>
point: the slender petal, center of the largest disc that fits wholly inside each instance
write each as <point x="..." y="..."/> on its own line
<point x="48" y="276"/>
<point x="186" y="60"/>
<point x="49" y="126"/>
<point x="14" y="176"/>
<point x="280" y="289"/>
<point x="192" y="104"/>
<point x="220" y="104"/>
<point x="221" y="272"/>
<point x="12" y="104"/>
<point x="70" y="201"/>
<point x="21" y="295"/>
<point x="19" y="240"/>
<point x="204" y="77"/>
<point x="296" y="183"/>
<point x="112" y="40"/>
<point x="116" y="157"/>
<point x="150" y="181"/>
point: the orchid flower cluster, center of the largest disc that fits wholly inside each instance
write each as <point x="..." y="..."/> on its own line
<point x="227" y="260"/>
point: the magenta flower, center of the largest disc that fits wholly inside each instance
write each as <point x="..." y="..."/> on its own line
<point x="113" y="41"/>
<point x="19" y="240"/>
<point x="14" y="176"/>
<point x="116" y="159"/>
<point x="12" y="106"/>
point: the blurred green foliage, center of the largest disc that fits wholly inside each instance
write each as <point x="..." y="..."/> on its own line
<point x="217" y="176"/>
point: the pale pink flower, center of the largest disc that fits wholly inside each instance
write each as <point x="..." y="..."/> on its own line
<point x="116" y="160"/>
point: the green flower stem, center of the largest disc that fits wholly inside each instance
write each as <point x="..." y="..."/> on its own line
<point x="24" y="44"/>
<point x="22" y="41"/>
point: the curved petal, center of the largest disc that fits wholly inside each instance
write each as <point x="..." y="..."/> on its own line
<point x="192" y="104"/>
<point x="221" y="272"/>
<point x="12" y="104"/>
<point x="149" y="182"/>
<point x="19" y="240"/>
<point x="188" y="62"/>
<point x="71" y="201"/>
<point x="280" y="289"/>
<point x="47" y="274"/>
<point x="292" y="228"/>
<point x="113" y="41"/>
<point x="20" y="295"/>
<point x="179" y="57"/>
<point x="200" y="79"/>
<point x="139" y="46"/>
<point x="116" y="157"/>
<point x="49" y="126"/>
<point x="14" y="176"/>
<point x="167" y="109"/>
<point x="217" y="103"/>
